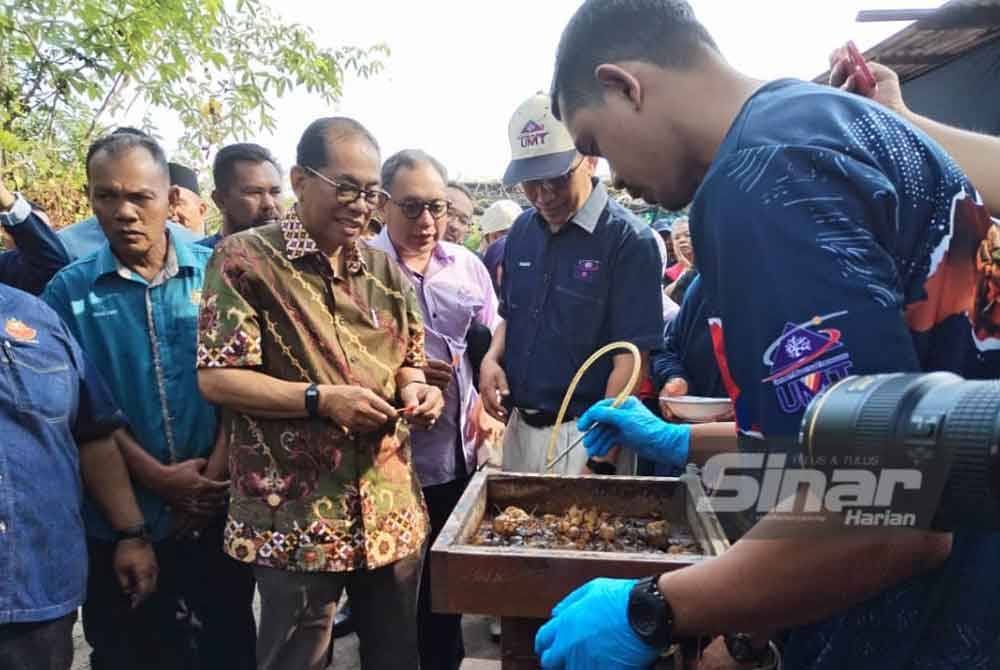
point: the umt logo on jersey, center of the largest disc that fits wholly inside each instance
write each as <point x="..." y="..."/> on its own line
<point x="533" y="134"/>
<point x="799" y="365"/>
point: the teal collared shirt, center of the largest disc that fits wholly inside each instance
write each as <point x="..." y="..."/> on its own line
<point x="142" y="336"/>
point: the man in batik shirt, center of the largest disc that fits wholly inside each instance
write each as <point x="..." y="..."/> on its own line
<point x="314" y="343"/>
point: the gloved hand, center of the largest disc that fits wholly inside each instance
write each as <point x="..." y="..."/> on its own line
<point x="589" y="630"/>
<point x="635" y="427"/>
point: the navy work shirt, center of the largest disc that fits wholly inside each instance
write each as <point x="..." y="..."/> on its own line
<point x="50" y="400"/>
<point x="834" y="238"/>
<point x="687" y="351"/>
<point x="567" y="294"/>
<point x="39" y="253"/>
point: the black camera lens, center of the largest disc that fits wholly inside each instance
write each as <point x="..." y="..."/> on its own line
<point x="929" y="441"/>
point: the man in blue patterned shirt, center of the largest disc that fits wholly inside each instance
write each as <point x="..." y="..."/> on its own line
<point x="833" y="238"/>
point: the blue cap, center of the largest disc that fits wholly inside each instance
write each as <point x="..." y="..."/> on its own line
<point x="663" y="225"/>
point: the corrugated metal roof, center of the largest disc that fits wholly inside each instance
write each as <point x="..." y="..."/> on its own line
<point x="956" y="28"/>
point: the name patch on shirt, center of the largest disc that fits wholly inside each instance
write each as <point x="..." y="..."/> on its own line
<point x="586" y="270"/>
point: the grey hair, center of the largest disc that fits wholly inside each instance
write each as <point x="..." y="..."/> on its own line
<point x="409" y="159"/>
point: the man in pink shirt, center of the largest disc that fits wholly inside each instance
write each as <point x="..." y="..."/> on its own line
<point x="454" y="290"/>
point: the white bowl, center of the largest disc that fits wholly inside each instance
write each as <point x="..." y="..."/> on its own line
<point x="697" y="409"/>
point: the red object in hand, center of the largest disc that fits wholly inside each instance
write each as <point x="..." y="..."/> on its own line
<point x="864" y="80"/>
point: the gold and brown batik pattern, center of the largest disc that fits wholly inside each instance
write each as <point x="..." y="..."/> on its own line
<point x="306" y="495"/>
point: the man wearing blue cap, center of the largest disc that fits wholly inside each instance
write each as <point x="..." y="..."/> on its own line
<point x="580" y="271"/>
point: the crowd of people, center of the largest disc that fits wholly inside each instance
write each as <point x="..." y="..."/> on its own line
<point x="293" y="405"/>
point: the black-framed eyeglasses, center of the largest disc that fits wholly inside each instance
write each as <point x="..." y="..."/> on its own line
<point x="554" y="183"/>
<point x="348" y="193"/>
<point x="413" y="209"/>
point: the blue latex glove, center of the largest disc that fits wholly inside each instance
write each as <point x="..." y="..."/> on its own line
<point x="635" y="427"/>
<point x="589" y="630"/>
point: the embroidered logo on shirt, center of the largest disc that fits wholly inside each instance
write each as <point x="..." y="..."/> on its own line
<point x="533" y="134"/>
<point x="21" y="331"/>
<point x="798" y="370"/>
<point x="586" y="270"/>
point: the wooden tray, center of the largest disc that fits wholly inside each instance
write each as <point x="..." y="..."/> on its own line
<point x="527" y="583"/>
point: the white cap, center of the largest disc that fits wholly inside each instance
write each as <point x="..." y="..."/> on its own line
<point x="540" y="145"/>
<point x="499" y="216"/>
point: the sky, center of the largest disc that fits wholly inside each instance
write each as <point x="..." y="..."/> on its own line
<point x="459" y="68"/>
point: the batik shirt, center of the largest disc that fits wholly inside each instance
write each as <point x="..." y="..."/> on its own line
<point x="833" y="238"/>
<point x="306" y="494"/>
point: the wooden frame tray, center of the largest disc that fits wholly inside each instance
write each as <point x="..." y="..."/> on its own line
<point x="526" y="582"/>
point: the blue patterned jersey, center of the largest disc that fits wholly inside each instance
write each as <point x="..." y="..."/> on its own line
<point x="834" y="239"/>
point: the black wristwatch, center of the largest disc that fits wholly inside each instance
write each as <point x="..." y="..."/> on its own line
<point x="740" y="647"/>
<point x="312" y="401"/>
<point x="140" y="532"/>
<point x="601" y="467"/>
<point x="650" y="614"/>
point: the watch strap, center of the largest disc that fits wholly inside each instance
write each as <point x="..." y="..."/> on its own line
<point x="312" y="401"/>
<point x="650" y="615"/>
<point x="601" y="467"/>
<point x="139" y="532"/>
<point x="741" y="649"/>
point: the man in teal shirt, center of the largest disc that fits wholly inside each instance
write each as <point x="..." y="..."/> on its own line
<point x="85" y="237"/>
<point x="133" y="306"/>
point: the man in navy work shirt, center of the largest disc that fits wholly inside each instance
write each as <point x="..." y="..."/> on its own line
<point x="833" y="238"/>
<point x="56" y="418"/>
<point x="580" y="271"/>
<point x="39" y="253"/>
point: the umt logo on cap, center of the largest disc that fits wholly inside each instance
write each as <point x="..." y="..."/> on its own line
<point x="533" y="134"/>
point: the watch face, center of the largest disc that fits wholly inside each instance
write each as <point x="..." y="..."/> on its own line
<point x="645" y="620"/>
<point x="740" y="649"/>
<point x="648" y="614"/>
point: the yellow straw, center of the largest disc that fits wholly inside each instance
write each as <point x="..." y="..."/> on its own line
<point x="619" y="399"/>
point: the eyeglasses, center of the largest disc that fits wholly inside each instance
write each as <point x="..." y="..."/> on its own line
<point x="553" y="184"/>
<point x="413" y="209"/>
<point x="458" y="217"/>
<point x="348" y="193"/>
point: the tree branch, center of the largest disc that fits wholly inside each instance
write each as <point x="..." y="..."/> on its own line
<point x="104" y="105"/>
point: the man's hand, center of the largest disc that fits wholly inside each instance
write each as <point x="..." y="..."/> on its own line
<point x="438" y="373"/>
<point x="716" y="657"/>
<point x="422" y="404"/>
<point x="7" y="198"/>
<point x="674" y="388"/>
<point x="357" y="409"/>
<point x="887" y="91"/>
<point x="136" y="569"/>
<point x="635" y="427"/>
<point x="493" y="389"/>
<point x="589" y="630"/>
<point x="185" y="486"/>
